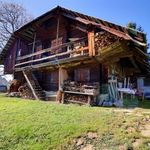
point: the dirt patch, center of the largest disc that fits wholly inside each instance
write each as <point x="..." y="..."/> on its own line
<point x="92" y="135"/>
<point x="106" y="141"/>
<point x="80" y="141"/>
<point x="137" y="143"/>
<point x="145" y="133"/>
<point x="85" y="142"/>
<point x="122" y="147"/>
<point x="88" y="147"/>
<point x="131" y="130"/>
<point x="145" y="126"/>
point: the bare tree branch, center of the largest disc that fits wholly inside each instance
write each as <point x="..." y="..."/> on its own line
<point x="12" y="17"/>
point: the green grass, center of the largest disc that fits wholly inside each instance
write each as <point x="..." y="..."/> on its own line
<point x="37" y="125"/>
<point x="128" y="102"/>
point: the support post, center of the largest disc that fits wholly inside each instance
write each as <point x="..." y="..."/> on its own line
<point x="33" y="47"/>
<point x="91" y="43"/>
<point x="62" y="76"/>
<point x="57" y="31"/>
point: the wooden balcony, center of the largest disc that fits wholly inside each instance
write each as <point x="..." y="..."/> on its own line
<point x="58" y="55"/>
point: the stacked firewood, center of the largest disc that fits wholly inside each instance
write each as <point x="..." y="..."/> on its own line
<point x="104" y="39"/>
<point x="80" y="87"/>
<point x="73" y="97"/>
<point x="72" y="86"/>
<point x="76" y="92"/>
<point x="25" y="92"/>
<point x="15" y="84"/>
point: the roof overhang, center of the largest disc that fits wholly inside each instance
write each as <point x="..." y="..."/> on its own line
<point x="28" y="30"/>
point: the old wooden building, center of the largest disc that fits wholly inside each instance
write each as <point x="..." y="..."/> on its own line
<point x="67" y="51"/>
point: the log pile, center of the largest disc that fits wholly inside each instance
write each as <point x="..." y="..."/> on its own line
<point x="72" y="86"/>
<point x="76" y="98"/>
<point x="25" y="92"/>
<point x="91" y="88"/>
<point x="80" y="93"/>
<point x="104" y="39"/>
<point x="14" y="86"/>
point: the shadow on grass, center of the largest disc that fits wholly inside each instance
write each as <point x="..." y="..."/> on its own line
<point x="134" y="103"/>
<point x="145" y="104"/>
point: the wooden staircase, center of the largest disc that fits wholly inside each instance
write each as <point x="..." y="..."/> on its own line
<point x="34" y="85"/>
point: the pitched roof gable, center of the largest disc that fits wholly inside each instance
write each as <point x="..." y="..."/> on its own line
<point x="126" y="33"/>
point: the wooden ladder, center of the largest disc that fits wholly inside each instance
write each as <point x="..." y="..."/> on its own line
<point x="34" y="85"/>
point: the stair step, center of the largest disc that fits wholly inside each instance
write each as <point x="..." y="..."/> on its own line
<point x="37" y="88"/>
<point x="35" y="85"/>
<point x="40" y="94"/>
<point x="42" y="98"/>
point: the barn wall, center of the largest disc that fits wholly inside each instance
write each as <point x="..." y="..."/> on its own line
<point x="46" y="37"/>
<point x="50" y="82"/>
<point x="9" y="60"/>
<point x="46" y="34"/>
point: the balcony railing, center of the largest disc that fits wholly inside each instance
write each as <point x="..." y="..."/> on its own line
<point x="67" y="50"/>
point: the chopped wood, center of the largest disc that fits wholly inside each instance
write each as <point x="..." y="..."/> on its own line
<point x="25" y="92"/>
<point x="79" y="93"/>
<point x="15" y="84"/>
<point x="104" y="39"/>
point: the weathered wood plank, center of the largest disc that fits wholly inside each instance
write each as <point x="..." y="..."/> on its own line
<point x="53" y="56"/>
<point x="77" y="102"/>
<point x="91" y="43"/>
<point x="62" y="62"/>
<point x="50" y="49"/>
<point x="28" y="81"/>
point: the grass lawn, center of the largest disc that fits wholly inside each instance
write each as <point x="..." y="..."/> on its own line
<point x="37" y="125"/>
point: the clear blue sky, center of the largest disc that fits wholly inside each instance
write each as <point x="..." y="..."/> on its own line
<point x="117" y="11"/>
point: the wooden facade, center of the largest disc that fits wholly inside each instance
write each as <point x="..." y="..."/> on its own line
<point x="63" y="45"/>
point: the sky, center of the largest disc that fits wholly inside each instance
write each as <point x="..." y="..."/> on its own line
<point x="117" y="11"/>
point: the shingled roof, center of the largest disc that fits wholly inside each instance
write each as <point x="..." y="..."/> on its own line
<point x="126" y="33"/>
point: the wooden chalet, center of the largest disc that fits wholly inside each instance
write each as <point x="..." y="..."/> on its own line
<point x="73" y="53"/>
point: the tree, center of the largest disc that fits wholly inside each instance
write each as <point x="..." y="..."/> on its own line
<point x="133" y="25"/>
<point x="12" y="17"/>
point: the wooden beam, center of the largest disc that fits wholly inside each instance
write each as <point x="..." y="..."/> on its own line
<point x="34" y="42"/>
<point x="62" y="76"/>
<point x="134" y="63"/>
<point x="57" y="30"/>
<point x="63" y="63"/>
<point x="33" y="47"/>
<point x="49" y="49"/>
<point x="91" y="43"/>
<point x="53" y="56"/>
<point x="30" y="85"/>
<point x="138" y="50"/>
<point x="79" y="28"/>
<point x="27" y="36"/>
<point x="30" y="32"/>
